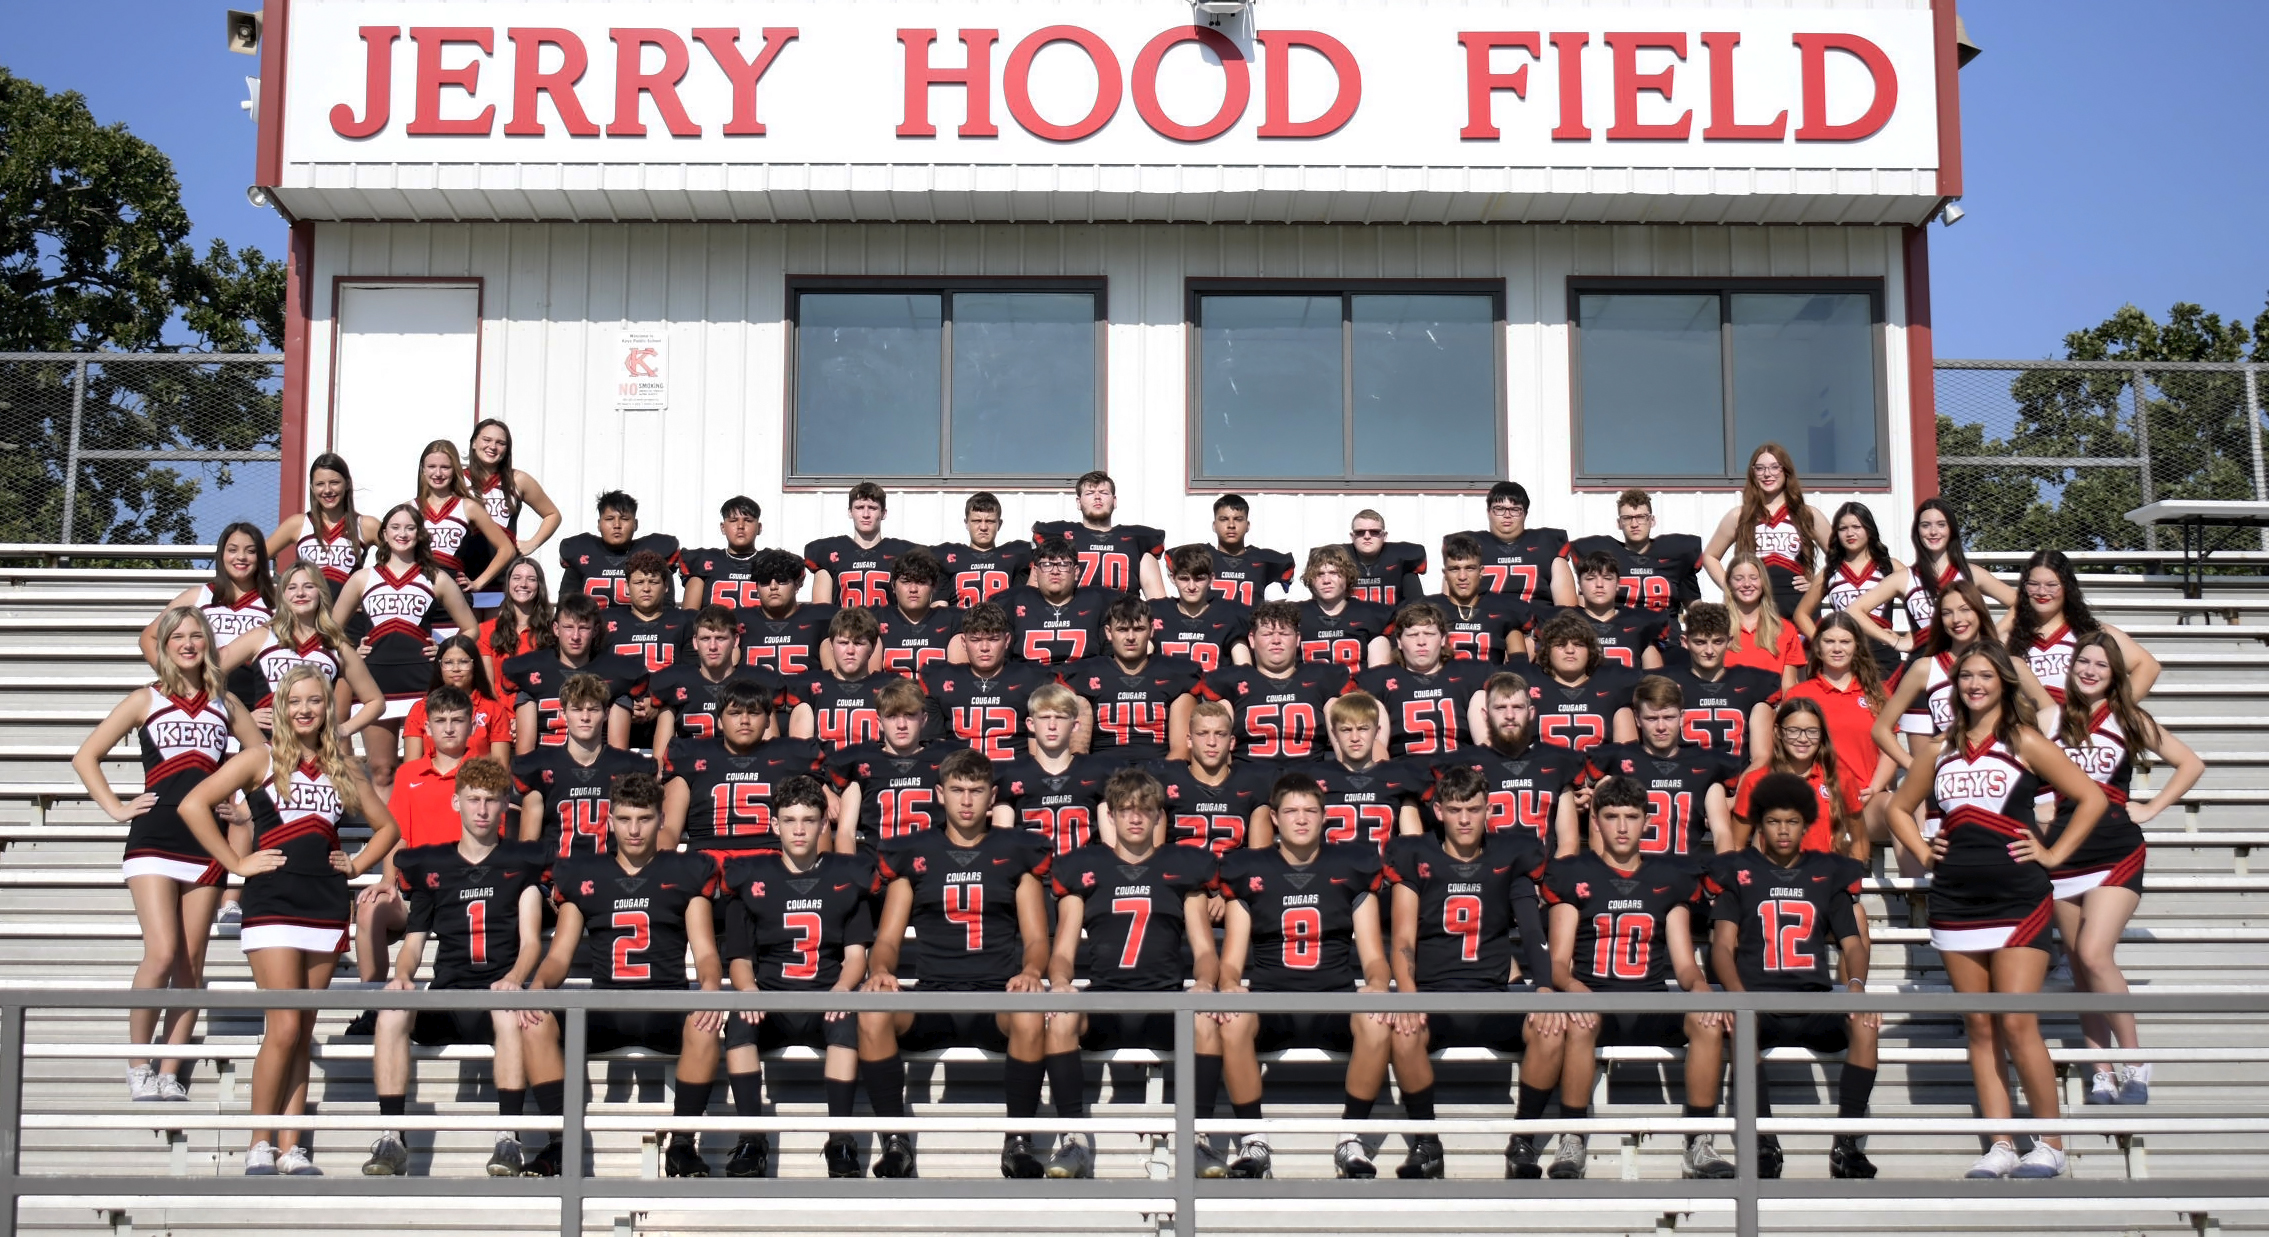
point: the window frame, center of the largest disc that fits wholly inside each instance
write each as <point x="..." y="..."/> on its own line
<point x="1736" y="470"/>
<point x="944" y="286"/>
<point x="1345" y="289"/>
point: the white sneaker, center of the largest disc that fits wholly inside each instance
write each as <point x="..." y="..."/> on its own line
<point x="298" y="1162"/>
<point x="260" y="1161"/>
<point x="2104" y="1088"/>
<point x="1072" y="1157"/>
<point x="141" y="1083"/>
<point x="2042" y="1161"/>
<point x="170" y="1090"/>
<point x="231" y="914"/>
<point x="2135" y="1085"/>
<point x="1999" y="1161"/>
<point x="1253" y="1158"/>
<point x="1350" y="1159"/>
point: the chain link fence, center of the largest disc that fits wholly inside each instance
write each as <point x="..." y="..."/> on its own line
<point x="137" y="449"/>
<point x="2056" y="453"/>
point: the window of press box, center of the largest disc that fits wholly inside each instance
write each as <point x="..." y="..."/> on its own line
<point x="1383" y="383"/>
<point x="975" y="382"/>
<point x="1681" y="381"/>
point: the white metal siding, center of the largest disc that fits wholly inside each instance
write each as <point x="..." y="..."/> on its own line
<point x="556" y="293"/>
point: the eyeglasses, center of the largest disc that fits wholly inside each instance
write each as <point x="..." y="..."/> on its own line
<point x="1801" y="732"/>
<point x="1507" y="509"/>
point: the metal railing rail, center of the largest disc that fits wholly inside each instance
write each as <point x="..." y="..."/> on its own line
<point x="1187" y="1192"/>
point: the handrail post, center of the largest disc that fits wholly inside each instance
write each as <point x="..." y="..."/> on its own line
<point x="71" y="452"/>
<point x="12" y="1016"/>
<point x="2144" y="483"/>
<point x="1746" y="1085"/>
<point x="1185" y="1122"/>
<point x="2253" y="434"/>
<point x="575" y="1040"/>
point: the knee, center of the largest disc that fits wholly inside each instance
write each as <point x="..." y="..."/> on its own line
<point x="1701" y="1029"/>
<point x="393" y="1021"/>
<point x="2017" y="1027"/>
<point x="1981" y="1027"/>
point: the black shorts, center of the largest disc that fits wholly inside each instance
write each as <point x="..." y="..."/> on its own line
<point x="800" y="1030"/>
<point x="953" y="1031"/>
<point x="606" y="1030"/>
<point x="1502" y="1032"/>
<point x="1107" y="1031"/>
<point x="1330" y="1032"/>
<point x="436" y="1028"/>
<point x="1819" y="1032"/>
<point x="1659" y="1030"/>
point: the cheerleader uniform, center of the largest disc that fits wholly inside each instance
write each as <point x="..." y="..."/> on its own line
<point x="277" y="659"/>
<point x="448" y="528"/>
<point x="1932" y="711"/>
<point x="1922" y="601"/>
<point x="1846" y="586"/>
<point x="331" y="550"/>
<point x="230" y="619"/>
<point x="183" y="740"/>
<point x="1779" y="547"/>
<point x="1980" y="898"/>
<point x="400" y="611"/>
<point x="504" y="510"/>
<point x="305" y="903"/>
<point x="2050" y="656"/>
<point x="2113" y="855"/>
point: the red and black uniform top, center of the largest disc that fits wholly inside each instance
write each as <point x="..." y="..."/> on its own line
<point x="1716" y="715"/>
<point x="1390" y="578"/>
<point x="471" y="910"/>
<point x="1218" y="818"/>
<point x="1467" y="911"/>
<point x="1278" y="719"/>
<point x="1056" y="633"/>
<point x="1244" y="577"/>
<point x="987" y="712"/>
<point x="786" y="646"/>
<point x="1625" y="636"/>
<point x="1133" y="913"/>
<point x="726" y="578"/>
<point x="1582" y="717"/>
<point x="692" y="699"/>
<point x="1788" y="919"/>
<point x="908" y="644"/>
<point x="843" y="711"/>
<point x="861" y="573"/>
<point x="634" y="925"/>
<point x="896" y="792"/>
<point x="1524" y="790"/>
<point x="1664" y="577"/>
<point x="660" y="642"/>
<point x="1204" y="638"/>
<point x="729" y="798"/>
<point x="589" y="565"/>
<point x="794" y="926"/>
<point x="1523" y="565"/>
<point x="536" y="678"/>
<point x="1345" y="637"/>
<point x="1678" y="791"/>
<point x="1303" y="917"/>
<point x="575" y="795"/>
<point x="966" y="933"/>
<point x="1622" y="918"/>
<point x="1478" y="632"/>
<point x="1363" y="805"/>
<point x="1061" y="807"/>
<point x="973" y="575"/>
<point x="1107" y="557"/>
<point x="1426" y="711"/>
<point x="1131" y="709"/>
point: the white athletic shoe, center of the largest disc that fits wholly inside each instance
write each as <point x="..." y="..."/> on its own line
<point x="298" y="1162"/>
<point x="1350" y="1159"/>
<point x="1072" y="1157"/>
<point x="260" y="1161"/>
<point x="1253" y="1158"/>
<point x="141" y="1083"/>
<point x="2104" y="1089"/>
<point x="1999" y="1161"/>
<point x="170" y="1090"/>
<point x="2135" y="1086"/>
<point x="231" y="914"/>
<point x="2042" y="1161"/>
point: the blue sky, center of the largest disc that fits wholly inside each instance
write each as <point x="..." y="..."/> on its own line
<point x="2109" y="150"/>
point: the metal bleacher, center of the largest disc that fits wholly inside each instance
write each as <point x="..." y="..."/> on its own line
<point x="67" y="652"/>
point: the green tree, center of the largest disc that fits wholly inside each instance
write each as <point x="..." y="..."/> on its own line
<point x="2196" y="434"/>
<point x="95" y="256"/>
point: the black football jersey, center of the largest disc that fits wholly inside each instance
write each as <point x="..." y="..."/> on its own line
<point x="1625" y="636"/>
<point x="1244" y="577"/>
<point x="1664" y="577"/>
<point x="1478" y="632"/>
<point x="1061" y="807"/>
<point x="966" y="934"/>
<point x="973" y="575"/>
<point x="692" y="699"/>
<point x="788" y="646"/>
<point x="1218" y="818"/>
<point x="1133" y="912"/>
<point x="1108" y="559"/>
<point x="471" y="910"/>
<point x="987" y="713"/>
<point x="1390" y="579"/>
<point x="1582" y="717"/>
<point x="1303" y="933"/>
<point x="1206" y="638"/>
<point x="1054" y="634"/>
<point x="729" y="797"/>
<point x="1716" y="714"/>
<point x="725" y="578"/>
<point x="659" y="642"/>
<point x="1678" y="791"/>
<point x="1522" y="566"/>
<point x="589" y="565"/>
<point x="910" y="644"/>
<point x="536" y="677"/>
<point x="861" y="573"/>
<point x="1364" y="805"/>
<point x="843" y="711"/>
<point x="1466" y="911"/>
<point x="1131" y="709"/>
<point x="1344" y="637"/>
<point x="575" y="796"/>
<point x="1622" y="933"/>
<point x="897" y="793"/>
<point x="794" y="926"/>
<point x="634" y="929"/>
<point x="1278" y="719"/>
<point x="1524" y="790"/>
<point x="1426" y="711"/>
<point x="1789" y="919"/>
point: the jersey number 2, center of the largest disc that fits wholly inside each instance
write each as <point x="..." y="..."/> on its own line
<point x="636" y="933"/>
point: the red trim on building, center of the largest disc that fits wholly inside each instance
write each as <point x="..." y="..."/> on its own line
<point x="1949" y="65"/>
<point x="1922" y="382"/>
<point x="275" y="26"/>
<point x="299" y="276"/>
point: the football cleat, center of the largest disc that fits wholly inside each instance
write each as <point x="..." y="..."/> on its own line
<point x="1569" y="1162"/>
<point x="683" y="1159"/>
<point x="1520" y="1159"/>
<point x="1424" y="1160"/>
<point x="507" y="1159"/>
<point x="897" y="1158"/>
<point x="1703" y="1161"/>
<point x="365" y="1023"/>
<point x="1253" y="1159"/>
<point x="751" y="1156"/>
<point x="388" y="1157"/>
<point x="545" y="1162"/>
<point x="1210" y="1161"/>
<point x="1073" y="1157"/>
<point x="1018" y="1161"/>
<point x="1769" y="1157"/>
<point x="1846" y="1159"/>
<point x="842" y="1154"/>
<point x="1349" y="1159"/>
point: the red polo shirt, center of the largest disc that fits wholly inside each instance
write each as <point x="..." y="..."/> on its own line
<point x="1851" y="727"/>
<point x="421" y="803"/>
<point x="1821" y="835"/>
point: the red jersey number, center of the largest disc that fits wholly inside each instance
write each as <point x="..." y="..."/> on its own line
<point x="1625" y="946"/>
<point x="634" y="932"/>
<point x="965" y="905"/>
<point x="1303" y="928"/>
<point x="1788" y="928"/>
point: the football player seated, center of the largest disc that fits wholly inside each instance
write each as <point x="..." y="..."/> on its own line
<point x="1776" y="910"/>
<point x="781" y="634"/>
<point x="1621" y="921"/>
<point x="1212" y="799"/>
<point x="1433" y="704"/>
<point x="1581" y="702"/>
<point x="888" y="788"/>
<point x="917" y="627"/>
<point x="796" y="920"/>
<point x="1689" y="810"/>
<point x="1242" y="572"/>
<point x="1530" y="563"/>
<point x="1629" y="637"/>
<point x="1535" y="787"/>
<point x="1196" y="622"/>
<point x="1302" y="918"/>
<point x="1366" y="799"/>
<point x="1279" y="699"/>
<point x="1135" y="707"/>
<point x="535" y="678"/>
<point x="973" y="896"/>
<point x="686" y="694"/>
<point x="480" y="899"/>
<point x="594" y="564"/>
<point x="983" y="567"/>
<point x="983" y="702"/>
<point x="1052" y="790"/>
<point x="1056" y="622"/>
<point x="1456" y="898"/>
<point x="1725" y="708"/>
<point x="717" y="799"/>
<point x="836" y="706"/>
<point x="1114" y="557"/>
<point x="643" y="910"/>
<point x="1483" y="626"/>
<point x="1335" y="627"/>
<point x="1386" y="572"/>
<point x="853" y="569"/>
<point x="563" y="790"/>
<point x="1140" y="899"/>
<point x="721" y="577"/>
<point x="1659" y="572"/>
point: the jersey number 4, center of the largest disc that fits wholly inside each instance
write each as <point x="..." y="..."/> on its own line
<point x="965" y="905"/>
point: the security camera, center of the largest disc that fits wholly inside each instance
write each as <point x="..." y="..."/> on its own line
<point x="1952" y="214"/>
<point x="243" y="32"/>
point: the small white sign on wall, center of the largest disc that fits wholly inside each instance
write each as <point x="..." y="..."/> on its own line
<point x="641" y="374"/>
